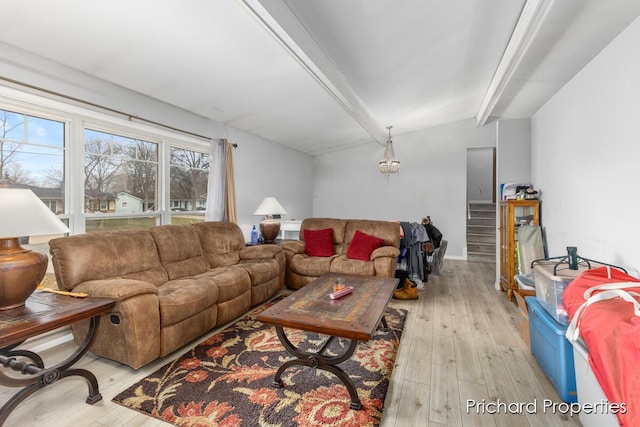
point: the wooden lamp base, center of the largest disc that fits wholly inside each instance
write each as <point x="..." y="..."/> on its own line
<point x="21" y="270"/>
<point x="269" y="228"/>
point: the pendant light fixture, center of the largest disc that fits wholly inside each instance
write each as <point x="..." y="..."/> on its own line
<point x="389" y="163"/>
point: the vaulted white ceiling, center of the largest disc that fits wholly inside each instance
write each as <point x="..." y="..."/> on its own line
<point x="322" y="75"/>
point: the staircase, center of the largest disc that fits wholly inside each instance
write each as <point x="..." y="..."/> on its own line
<point x="481" y="232"/>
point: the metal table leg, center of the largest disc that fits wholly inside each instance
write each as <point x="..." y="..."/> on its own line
<point x="318" y="360"/>
<point x="36" y="376"/>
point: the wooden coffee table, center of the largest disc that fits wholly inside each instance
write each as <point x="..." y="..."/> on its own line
<point x="354" y="317"/>
<point x="44" y="312"/>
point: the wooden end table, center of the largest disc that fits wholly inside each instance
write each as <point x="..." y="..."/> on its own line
<point x="44" y="312"/>
<point x="354" y="317"/>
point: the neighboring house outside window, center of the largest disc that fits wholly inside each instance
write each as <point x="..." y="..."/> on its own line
<point x="126" y="168"/>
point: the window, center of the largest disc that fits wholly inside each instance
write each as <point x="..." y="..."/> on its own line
<point x="121" y="177"/>
<point x="189" y="177"/>
<point x="99" y="172"/>
<point x="32" y="156"/>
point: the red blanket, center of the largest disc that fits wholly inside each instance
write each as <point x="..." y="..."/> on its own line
<point x="611" y="333"/>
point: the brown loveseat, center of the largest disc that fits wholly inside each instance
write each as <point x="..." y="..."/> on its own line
<point x="303" y="268"/>
<point x="171" y="284"/>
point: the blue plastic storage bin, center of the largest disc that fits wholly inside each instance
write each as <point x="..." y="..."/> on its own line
<point x="552" y="350"/>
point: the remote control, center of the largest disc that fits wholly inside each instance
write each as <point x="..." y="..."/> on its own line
<point x="341" y="292"/>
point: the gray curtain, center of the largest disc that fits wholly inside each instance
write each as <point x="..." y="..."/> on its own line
<point x="217" y="188"/>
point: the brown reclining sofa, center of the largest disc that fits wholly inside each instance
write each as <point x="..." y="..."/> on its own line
<point x="171" y="284"/>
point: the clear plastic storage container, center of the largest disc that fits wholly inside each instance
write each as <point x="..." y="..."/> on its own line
<point x="551" y="279"/>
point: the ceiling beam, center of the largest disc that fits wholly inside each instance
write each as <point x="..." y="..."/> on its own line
<point x="284" y="25"/>
<point x="531" y="18"/>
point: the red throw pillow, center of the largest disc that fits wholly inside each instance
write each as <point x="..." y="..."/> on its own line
<point x="318" y="242"/>
<point x="363" y="245"/>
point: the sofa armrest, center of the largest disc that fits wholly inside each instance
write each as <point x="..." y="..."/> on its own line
<point x="260" y="251"/>
<point x="116" y="289"/>
<point x="130" y="333"/>
<point x="295" y="246"/>
<point x="385" y="251"/>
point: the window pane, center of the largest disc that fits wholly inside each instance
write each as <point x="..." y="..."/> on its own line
<point x="186" y="218"/>
<point x="12" y="126"/>
<point x="33" y="159"/>
<point x="120" y="174"/>
<point x="46" y="132"/>
<point x="110" y="224"/>
<point x="189" y="179"/>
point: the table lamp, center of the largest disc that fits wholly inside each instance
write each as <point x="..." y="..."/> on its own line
<point x="269" y="227"/>
<point x="21" y="270"/>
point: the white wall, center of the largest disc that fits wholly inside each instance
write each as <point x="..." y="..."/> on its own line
<point x="480" y="174"/>
<point x="432" y="180"/>
<point x="513" y="155"/>
<point x="586" y="157"/>
<point x="262" y="169"/>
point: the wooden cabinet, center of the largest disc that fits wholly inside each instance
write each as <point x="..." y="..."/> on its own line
<point x="513" y="213"/>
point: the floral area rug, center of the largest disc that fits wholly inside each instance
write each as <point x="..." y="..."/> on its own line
<point x="226" y="380"/>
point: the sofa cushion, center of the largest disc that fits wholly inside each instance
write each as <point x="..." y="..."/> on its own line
<point x="220" y="241"/>
<point x="182" y="298"/>
<point x="344" y="265"/>
<point x="97" y="256"/>
<point x="260" y="270"/>
<point x="318" y="242"/>
<point x="179" y="249"/>
<point x="310" y="266"/>
<point x="363" y="245"/>
<point x="337" y="225"/>
<point x="232" y="282"/>
<point x="259" y="251"/>
<point x="389" y="231"/>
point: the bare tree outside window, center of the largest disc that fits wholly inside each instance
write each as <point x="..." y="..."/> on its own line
<point x="189" y="179"/>
<point x="11" y="131"/>
<point x="101" y="169"/>
<point x="142" y="173"/>
<point x="121" y="173"/>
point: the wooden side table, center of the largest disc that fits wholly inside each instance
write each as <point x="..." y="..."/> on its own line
<point x="44" y="312"/>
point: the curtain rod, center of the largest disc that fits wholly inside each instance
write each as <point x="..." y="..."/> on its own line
<point x="130" y="116"/>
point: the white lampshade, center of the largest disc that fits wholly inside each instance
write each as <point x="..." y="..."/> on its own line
<point x="270" y="206"/>
<point x="24" y="214"/>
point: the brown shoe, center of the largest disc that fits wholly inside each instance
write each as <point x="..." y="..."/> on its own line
<point x="411" y="287"/>
<point x="408" y="291"/>
<point x="405" y="294"/>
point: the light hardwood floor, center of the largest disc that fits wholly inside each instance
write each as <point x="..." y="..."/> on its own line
<point x="460" y="344"/>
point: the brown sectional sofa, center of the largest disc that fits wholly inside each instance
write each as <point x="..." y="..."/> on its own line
<point x="171" y="284"/>
<point x="302" y="268"/>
